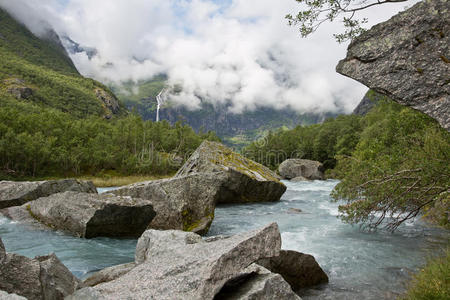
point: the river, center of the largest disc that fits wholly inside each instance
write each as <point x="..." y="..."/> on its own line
<point x="360" y="265"/>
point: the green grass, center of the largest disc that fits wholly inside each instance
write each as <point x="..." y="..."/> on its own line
<point x="102" y="180"/>
<point x="433" y="281"/>
<point x="109" y="181"/>
<point x="44" y="66"/>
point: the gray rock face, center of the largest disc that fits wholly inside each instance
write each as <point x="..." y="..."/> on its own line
<point x="407" y="58"/>
<point x="247" y="180"/>
<point x="21" y="92"/>
<point x="298" y="269"/>
<point x="298" y="168"/>
<point x="185" y="202"/>
<point x="56" y="280"/>
<point x="108" y="274"/>
<point x="91" y="215"/>
<point x="43" y="277"/>
<point x="15" y="193"/>
<point x="5" y="296"/>
<point x="109" y="101"/>
<point x="257" y="283"/>
<point x="180" y="265"/>
<point x="298" y="179"/>
<point x="87" y="293"/>
<point x="154" y="242"/>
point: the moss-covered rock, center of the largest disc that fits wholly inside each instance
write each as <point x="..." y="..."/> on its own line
<point x="247" y="181"/>
<point x="184" y="203"/>
<point x="109" y="102"/>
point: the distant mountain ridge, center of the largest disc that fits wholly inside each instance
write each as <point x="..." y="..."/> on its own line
<point x="74" y="47"/>
<point x="370" y="99"/>
<point x="234" y="129"/>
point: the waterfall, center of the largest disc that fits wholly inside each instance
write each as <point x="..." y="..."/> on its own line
<point x="159" y="101"/>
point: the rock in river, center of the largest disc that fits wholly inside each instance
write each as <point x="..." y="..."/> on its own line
<point x="16" y="193"/>
<point x="89" y="215"/>
<point x="407" y="58"/>
<point x="299" y="169"/>
<point x="181" y="265"/>
<point x="247" y="181"/>
<point x="298" y="269"/>
<point x="257" y="283"/>
<point x="185" y="202"/>
<point x="43" y="277"/>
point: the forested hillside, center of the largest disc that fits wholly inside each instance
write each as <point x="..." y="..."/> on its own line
<point x="393" y="163"/>
<point x="55" y="122"/>
<point x="38" y="70"/>
<point x="235" y="129"/>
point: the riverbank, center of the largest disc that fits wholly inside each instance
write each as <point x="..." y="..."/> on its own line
<point x="100" y="180"/>
<point x="111" y="181"/>
<point x="360" y="265"/>
<point x="432" y="281"/>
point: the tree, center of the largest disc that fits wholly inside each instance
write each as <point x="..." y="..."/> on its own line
<point x="317" y="12"/>
<point x="399" y="170"/>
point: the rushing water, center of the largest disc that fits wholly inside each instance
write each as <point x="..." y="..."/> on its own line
<point x="360" y="265"/>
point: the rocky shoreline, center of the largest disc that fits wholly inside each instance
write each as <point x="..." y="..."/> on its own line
<point x="172" y="260"/>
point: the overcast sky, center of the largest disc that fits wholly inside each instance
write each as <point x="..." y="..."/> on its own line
<point x="241" y="51"/>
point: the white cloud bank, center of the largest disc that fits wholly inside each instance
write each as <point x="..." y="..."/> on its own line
<point x="237" y="50"/>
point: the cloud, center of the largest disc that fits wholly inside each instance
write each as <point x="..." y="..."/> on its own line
<point x="239" y="51"/>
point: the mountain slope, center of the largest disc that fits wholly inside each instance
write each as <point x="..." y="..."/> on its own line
<point x="234" y="129"/>
<point x="369" y="101"/>
<point x="38" y="70"/>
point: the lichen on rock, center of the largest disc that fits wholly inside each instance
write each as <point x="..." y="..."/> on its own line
<point x="247" y="181"/>
<point x="109" y="102"/>
<point x="406" y="58"/>
<point x="18" y="88"/>
<point x="184" y="203"/>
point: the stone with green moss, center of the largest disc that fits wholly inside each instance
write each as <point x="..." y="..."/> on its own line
<point x="184" y="203"/>
<point x="246" y="180"/>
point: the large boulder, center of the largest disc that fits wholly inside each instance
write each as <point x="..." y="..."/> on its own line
<point x="184" y="203"/>
<point x="108" y="274"/>
<point x="257" y="283"/>
<point x="407" y="59"/>
<point x="247" y="180"/>
<point x="43" y="277"/>
<point x="180" y="265"/>
<point x="298" y="168"/>
<point x="88" y="215"/>
<point x="109" y="102"/>
<point x="298" y="269"/>
<point x="16" y="193"/>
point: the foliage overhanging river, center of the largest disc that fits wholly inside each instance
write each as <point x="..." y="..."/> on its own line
<point x="360" y="265"/>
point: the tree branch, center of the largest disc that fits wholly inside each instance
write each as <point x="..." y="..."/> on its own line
<point x="369" y="5"/>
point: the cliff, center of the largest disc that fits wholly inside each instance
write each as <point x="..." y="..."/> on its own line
<point x="407" y="59"/>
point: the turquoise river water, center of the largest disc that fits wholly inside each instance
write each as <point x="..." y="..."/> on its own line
<point x="360" y="265"/>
